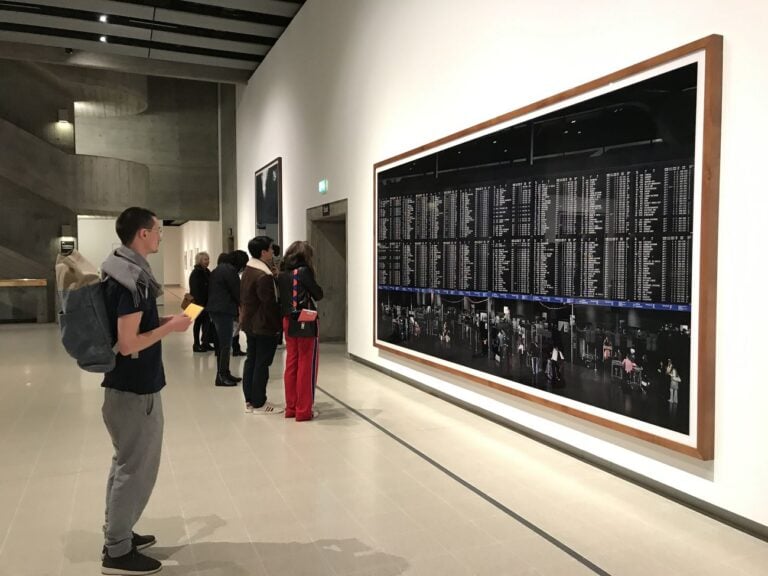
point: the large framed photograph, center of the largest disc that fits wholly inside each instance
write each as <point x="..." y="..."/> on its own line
<point x="269" y="200"/>
<point x="566" y="252"/>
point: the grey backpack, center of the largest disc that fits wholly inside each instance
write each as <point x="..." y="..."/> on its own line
<point x="86" y="331"/>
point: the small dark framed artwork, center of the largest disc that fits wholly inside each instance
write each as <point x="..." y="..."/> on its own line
<point x="269" y="200"/>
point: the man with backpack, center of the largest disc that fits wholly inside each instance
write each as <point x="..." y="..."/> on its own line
<point x="132" y="410"/>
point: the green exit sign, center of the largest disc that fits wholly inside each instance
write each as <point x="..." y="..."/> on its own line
<point x="322" y="186"/>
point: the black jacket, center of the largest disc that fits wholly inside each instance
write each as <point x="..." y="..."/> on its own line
<point x="224" y="290"/>
<point x="199" y="279"/>
<point x="309" y="291"/>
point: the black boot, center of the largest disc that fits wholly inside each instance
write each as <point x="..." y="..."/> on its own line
<point x="224" y="381"/>
<point x="235" y="378"/>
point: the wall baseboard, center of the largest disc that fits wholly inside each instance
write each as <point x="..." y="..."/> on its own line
<point x="715" y="512"/>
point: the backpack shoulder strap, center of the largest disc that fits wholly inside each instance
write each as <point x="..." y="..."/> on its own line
<point x="295" y="289"/>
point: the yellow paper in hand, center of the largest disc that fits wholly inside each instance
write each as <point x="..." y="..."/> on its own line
<point x="193" y="310"/>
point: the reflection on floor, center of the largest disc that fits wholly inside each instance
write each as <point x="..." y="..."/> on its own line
<point x="345" y="494"/>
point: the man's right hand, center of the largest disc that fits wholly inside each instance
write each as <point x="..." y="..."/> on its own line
<point x="179" y="322"/>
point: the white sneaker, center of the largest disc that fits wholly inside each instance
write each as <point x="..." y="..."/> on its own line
<point x="268" y="409"/>
<point x="248" y="409"/>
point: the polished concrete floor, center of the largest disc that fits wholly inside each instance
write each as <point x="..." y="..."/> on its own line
<point x="387" y="481"/>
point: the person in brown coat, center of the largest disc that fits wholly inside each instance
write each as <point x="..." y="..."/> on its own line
<point x="260" y="320"/>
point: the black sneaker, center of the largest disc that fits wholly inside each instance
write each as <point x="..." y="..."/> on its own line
<point x="138" y="541"/>
<point x="129" y="564"/>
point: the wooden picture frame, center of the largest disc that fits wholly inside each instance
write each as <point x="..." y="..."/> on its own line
<point x="268" y="191"/>
<point x="461" y="226"/>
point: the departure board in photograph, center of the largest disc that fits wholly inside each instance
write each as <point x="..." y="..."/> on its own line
<point x="566" y="251"/>
<point x="616" y="234"/>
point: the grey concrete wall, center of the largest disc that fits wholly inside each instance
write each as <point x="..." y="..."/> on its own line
<point x="31" y="100"/>
<point x="29" y="233"/>
<point x="101" y="93"/>
<point x="329" y="239"/>
<point x="176" y="137"/>
<point x="140" y="141"/>
<point x="228" y="166"/>
<point x="84" y="184"/>
<point x="328" y="236"/>
<point x="31" y="95"/>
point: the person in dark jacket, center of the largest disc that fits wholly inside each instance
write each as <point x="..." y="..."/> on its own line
<point x="260" y="320"/>
<point x="298" y="289"/>
<point x="223" y="305"/>
<point x="198" y="287"/>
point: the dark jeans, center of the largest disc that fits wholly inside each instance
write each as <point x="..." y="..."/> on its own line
<point x="202" y="324"/>
<point x="224" y="324"/>
<point x="261" y="352"/>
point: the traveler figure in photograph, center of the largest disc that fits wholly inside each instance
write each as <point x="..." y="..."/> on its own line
<point x="298" y="289"/>
<point x="223" y="305"/>
<point x="554" y="371"/>
<point x="445" y="335"/>
<point x="607" y="352"/>
<point x="674" y="381"/>
<point x="133" y="409"/>
<point x="629" y="368"/>
<point x="198" y="286"/>
<point x="260" y="320"/>
<point x="535" y="355"/>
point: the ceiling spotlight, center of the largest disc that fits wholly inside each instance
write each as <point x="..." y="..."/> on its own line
<point x="103" y="18"/>
<point x="102" y="38"/>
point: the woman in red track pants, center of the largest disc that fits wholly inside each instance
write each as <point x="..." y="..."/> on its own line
<point x="299" y="290"/>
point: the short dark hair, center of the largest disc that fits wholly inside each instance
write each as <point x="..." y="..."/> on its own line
<point x="131" y="221"/>
<point x="238" y="259"/>
<point x="258" y="244"/>
<point x="224" y="258"/>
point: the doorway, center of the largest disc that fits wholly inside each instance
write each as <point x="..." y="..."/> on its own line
<point x="327" y="233"/>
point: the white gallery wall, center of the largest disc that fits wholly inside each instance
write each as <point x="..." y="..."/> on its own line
<point x="171" y="246"/>
<point x="197" y="237"/>
<point x="353" y="82"/>
<point x="96" y="237"/>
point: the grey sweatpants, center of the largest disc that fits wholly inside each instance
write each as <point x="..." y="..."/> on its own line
<point x="135" y="424"/>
